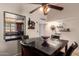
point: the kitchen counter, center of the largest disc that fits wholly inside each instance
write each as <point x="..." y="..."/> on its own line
<point x="54" y="45"/>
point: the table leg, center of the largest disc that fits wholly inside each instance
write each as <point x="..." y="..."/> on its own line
<point x="66" y="47"/>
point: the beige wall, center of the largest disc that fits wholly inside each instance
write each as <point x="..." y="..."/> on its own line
<point x="10" y="48"/>
<point x="26" y="8"/>
<point x="7" y="48"/>
<point x="70" y="16"/>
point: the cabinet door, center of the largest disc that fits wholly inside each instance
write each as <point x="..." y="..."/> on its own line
<point x="26" y="51"/>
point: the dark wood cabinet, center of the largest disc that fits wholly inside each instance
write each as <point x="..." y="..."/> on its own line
<point x="30" y="51"/>
<point x="26" y="50"/>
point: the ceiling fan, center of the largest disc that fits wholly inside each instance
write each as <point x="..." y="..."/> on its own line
<point x="45" y="7"/>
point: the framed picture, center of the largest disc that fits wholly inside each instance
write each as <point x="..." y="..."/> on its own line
<point x="31" y="24"/>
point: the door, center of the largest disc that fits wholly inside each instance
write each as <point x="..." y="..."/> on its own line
<point x="42" y="29"/>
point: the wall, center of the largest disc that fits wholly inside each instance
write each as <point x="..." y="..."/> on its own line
<point x="7" y="48"/>
<point x="10" y="48"/>
<point x="36" y="17"/>
<point x="70" y="16"/>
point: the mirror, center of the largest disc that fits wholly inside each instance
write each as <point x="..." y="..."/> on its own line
<point x="14" y="25"/>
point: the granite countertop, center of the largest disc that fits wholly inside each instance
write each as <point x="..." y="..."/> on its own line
<point x="53" y="45"/>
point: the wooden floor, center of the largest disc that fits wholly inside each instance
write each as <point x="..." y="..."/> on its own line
<point x="75" y="53"/>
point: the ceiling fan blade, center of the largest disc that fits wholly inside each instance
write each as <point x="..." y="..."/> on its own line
<point x="56" y="7"/>
<point x="37" y="3"/>
<point x="34" y="10"/>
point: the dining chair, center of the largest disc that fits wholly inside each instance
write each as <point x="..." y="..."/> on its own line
<point x="69" y="51"/>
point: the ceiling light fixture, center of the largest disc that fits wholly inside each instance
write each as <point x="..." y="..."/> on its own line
<point x="45" y="9"/>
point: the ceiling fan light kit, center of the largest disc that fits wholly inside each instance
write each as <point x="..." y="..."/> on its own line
<point x="45" y="8"/>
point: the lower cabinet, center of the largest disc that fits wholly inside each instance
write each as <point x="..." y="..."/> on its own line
<point x="26" y="50"/>
<point x="30" y="51"/>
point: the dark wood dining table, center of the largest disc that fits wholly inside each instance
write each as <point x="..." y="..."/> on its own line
<point x="54" y="47"/>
